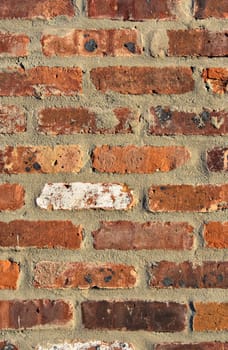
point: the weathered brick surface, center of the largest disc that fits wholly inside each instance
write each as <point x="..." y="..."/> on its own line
<point x="110" y="42"/>
<point x="40" y="234"/>
<point x="41" y="81"/>
<point x="5" y="345"/>
<point x="124" y="235"/>
<point x="201" y="198"/>
<point x="83" y="275"/>
<point x="143" y="80"/>
<point x="13" y="44"/>
<point x="12" y="120"/>
<point x="210" y="8"/>
<point x="140" y="160"/>
<point x="133" y="10"/>
<point x="67" y="121"/>
<point x="193" y="346"/>
<point x="40" y="159"/>
<point x="9" y="274"/>
<point x="134" y="315"/>
<point x="197" y="42"/>
<point x="172" y="122"/>
<point x="19" y="314"/>
<point x="215" y="235"/>
<point x="80" y="195"/>
<point x="92" y="345"/>
<point x="188" y="275"/>
<point x="210" y="317"/>
<point x="217" y="159"/>
<point x="29" y="9"/>
<point x="11" y="196"/>
<point x="216" y="79"/>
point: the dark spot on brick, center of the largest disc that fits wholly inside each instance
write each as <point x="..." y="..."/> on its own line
<point x="204" y="279"/>
<point x="8" y="347"/>
<point x="163" y="188"/>
<point x="130" y="46"/>
<point x="88" y="278"/>
<point x="36" y="166"/>
<point x="220" y="278"/>
<point x="162" y="114"/>
<point x="27" y="169"/>
<point x="167" y="282"/>
<point x="205" y="116"/>
<point x="55" y="162"/>
<point x="67" y="186"/>
<point x="108" y="278"/>
<point x="91" y="45"/>
<point x="181" y="283"/>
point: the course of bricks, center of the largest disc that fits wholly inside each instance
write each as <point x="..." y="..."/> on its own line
<point x="113" y="167"/>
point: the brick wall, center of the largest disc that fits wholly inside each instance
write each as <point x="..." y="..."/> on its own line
<point x="113" y="165"/>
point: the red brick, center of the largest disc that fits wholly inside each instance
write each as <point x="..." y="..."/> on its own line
<point x="211" y="8"/>
<point x="110" y="42"/>
<point x="143" y="80"/>
<point x="12" y="120"/>
<point x="134" y="315"/>
<point x="133" y="10"/>
<point x="83" y="275"/>
<point x="11" y="196"/>
<point x="68" y="121"/>
<point x="216" y="79"/>
<point x="210" y="317"/>
<point x="5" y="345"/>
<point x="215" y="235"/>
<point x="40" y="159"/>
<point x="168" y="122"/>
<point x="193" y="346"/>
<point x="188" y="275"/>
<point x="41" y="81"/>
<point x="9" y="274"/>
<point x="13" y="44"/>
<point x="201" y="198"/>
<point x="197" y="42"/>
<point x="19" y="314"/>
<point x="40" y="234"/>
<point x="40" y="8"/>
<point x="127" y="235"/>
<point x="140" y="160"/>
<point x="217" y="159"/>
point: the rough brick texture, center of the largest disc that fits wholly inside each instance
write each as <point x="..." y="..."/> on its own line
<point x="40" y="82"/>
<point x="217" y="159"/>
<point x="93" y="43"/>
<point x="9" y="272"/>
<point x="83" y="275"/>
<point x="61" y="159"/>
<point x="210" y="8"/>
<point x="143" y="80"/>
<point x="40" y="234"/>
<point x="188" y="275"/>
<point x="13" y="44"/>
<point x="12" y="120"/>
<point x="197" y="43"/>
<point x="134" y="315"/>
<point x="202" y="198"/>
<point x="11" y="196"/>
<point x="203" y="320"/>
<point x="133" y="10"/>
<point x="113" y="174"/>
<point x="124" y="235"/>
<point x="18" y="314"/>
<point x="216" y="235"/>
<point x="92" y="345"/>
<point x="41" y="9"/>
<point x="216" y="79"/>
<point x="166" y="121"/>
<point x="140" y="160"/>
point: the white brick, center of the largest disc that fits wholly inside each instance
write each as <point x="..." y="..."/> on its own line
<point x="86" y="346"/>
<point x="79" y="195"/>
